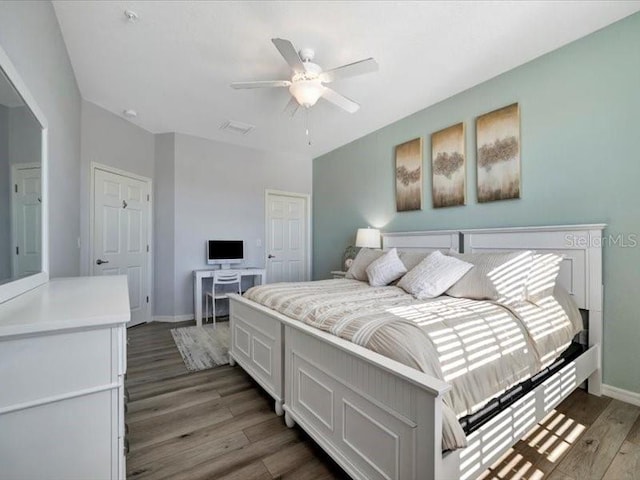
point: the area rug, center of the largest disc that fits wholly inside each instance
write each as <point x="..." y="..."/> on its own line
<point x="203" y="347"/>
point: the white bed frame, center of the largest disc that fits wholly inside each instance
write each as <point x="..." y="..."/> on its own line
<point x="380" y="419"/>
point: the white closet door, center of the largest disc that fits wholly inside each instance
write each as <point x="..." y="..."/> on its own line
<point x="121" y="222"/>
<point x="286" y="238"/>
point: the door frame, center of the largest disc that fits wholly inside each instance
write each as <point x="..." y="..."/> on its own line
<point x="123" y="173"/>
<point x="13" y="174"/>
<point x="308" y="241"/>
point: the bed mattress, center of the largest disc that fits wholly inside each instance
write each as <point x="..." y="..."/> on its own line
<point x="481" y="348"/>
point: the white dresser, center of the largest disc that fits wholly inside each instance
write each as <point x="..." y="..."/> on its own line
<point x="62" y="366"/>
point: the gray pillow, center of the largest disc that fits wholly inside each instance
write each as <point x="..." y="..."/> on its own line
<point x="495" y="276"/>
<point x="358" y="269"/>
<point x="412" y="259"/>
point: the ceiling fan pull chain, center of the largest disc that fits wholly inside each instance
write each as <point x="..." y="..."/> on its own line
<point x="307" y="125"/>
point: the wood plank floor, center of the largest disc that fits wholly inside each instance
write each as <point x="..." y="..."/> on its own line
<point x="219" y="424"/>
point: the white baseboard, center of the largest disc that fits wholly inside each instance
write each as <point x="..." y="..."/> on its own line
<point x="171" y="319"/>
<point x="620" y="394"/>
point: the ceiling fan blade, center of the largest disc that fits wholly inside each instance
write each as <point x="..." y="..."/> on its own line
<point x="262" y="84"/>
<point x="292" y="107"/>
<point x="340" y="100"/>
<point x="288" y="51"/>
<point x="356" y="68"/>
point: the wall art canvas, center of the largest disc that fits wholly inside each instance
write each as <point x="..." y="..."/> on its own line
<point x="498" y="141"/>
<point x="448" y="167"/>
<point x="409" y="175"/>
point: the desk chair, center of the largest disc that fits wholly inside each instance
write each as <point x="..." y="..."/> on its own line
<point x="220" y="278"/>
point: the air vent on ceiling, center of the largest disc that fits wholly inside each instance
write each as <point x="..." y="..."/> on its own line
<point x="236" y="127"/>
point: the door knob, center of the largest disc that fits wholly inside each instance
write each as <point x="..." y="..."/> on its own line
<point x="271" y="256"/>
<point x="100" y="261"/>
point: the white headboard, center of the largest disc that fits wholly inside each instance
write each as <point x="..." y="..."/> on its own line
<point x="444" y="240"/>
<point x="580" y="246"/>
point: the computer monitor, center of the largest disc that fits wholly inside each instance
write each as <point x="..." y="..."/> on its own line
<point x="225" y="252"/>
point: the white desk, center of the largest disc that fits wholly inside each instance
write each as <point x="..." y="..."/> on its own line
<point x="199" y="275"/>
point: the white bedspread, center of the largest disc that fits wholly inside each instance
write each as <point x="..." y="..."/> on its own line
<point x="481" y="348"/>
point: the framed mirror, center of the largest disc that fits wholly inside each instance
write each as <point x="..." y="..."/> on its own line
<point x="24" y="261"/>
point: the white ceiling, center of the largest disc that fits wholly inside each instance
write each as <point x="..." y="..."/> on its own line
<point x="175" y="64"/>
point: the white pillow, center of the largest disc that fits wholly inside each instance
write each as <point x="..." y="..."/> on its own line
<point x="433" y="275"/>
<point x="385" y="269"/>
<point x="497" y="276"/>
<point x="358" y="269"/>
<point x="542" y="278"/>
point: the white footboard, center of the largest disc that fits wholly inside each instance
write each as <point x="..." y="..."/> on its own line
<point x="378" y="418"/>
<point x="375" y="423"/>
<point x="256" y="344"/>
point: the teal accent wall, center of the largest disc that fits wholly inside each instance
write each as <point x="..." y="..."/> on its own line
<point x="580" y="136"/>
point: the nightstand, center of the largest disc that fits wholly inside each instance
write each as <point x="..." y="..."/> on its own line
<point x="338" y="274"/>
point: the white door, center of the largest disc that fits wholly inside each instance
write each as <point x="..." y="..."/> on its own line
<point x="27" y="217"/>
<point x="120" y="236"/>
<point x="286" y="232"/>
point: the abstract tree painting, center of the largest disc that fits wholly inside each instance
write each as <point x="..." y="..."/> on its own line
<point x="498" y="141"/>
<point x="448" y="167"/>
<point x="409" y="175"/>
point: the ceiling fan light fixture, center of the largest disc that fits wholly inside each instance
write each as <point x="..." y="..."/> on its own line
<point x="307" y="92"/>
<point x="307" y="80"/>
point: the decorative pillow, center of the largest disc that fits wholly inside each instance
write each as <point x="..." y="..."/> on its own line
<point x="497" y="276"/>
<point x="411" y="259"/>
<point x="385" y="269"/>
<point x="358" y="269"/>
<point x="542" y="278"/>
<point x="433" y="275"/>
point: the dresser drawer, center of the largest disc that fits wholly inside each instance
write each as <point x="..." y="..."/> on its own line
<point x="38" y="368"/>
<point x="70" y="440"/>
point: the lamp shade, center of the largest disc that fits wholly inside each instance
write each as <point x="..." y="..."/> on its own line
<point x="368" y="237"/>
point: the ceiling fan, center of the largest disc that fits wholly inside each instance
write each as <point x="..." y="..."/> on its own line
<point x="308" y="81"/>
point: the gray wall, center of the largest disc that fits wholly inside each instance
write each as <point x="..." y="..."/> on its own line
<point x="201" y="189"/>
<point x="30" y="35"/>
<point x="113" y="141"/>
<point x="164" y="226"/>
<point x="25" y="136"/>
<point x="218" y="192"/>
<point x="5" y="196"/>
<point x="579" y="128"/>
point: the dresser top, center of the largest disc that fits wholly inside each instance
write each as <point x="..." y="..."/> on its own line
<point x="65" y="303"/>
